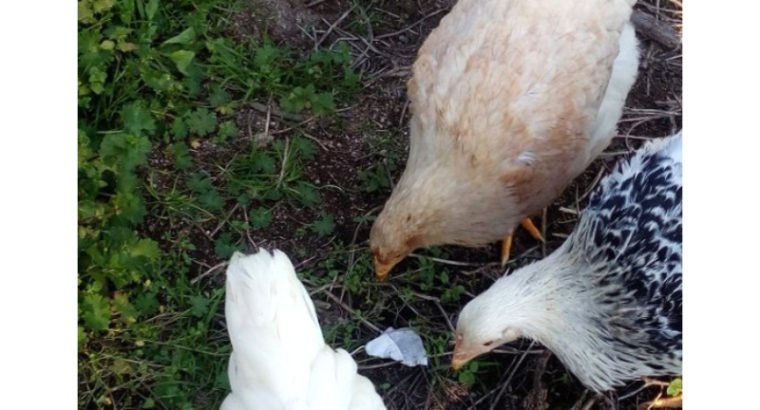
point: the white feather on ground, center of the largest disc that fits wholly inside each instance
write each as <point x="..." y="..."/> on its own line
<point x="279" y="358"/>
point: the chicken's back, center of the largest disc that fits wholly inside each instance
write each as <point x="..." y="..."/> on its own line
<point x="279" y="359"/>
<point x="511" y="89"/>
<point x="631" y="238"/>
<point x="273" y="328"/>
<point x="337" y="385"/>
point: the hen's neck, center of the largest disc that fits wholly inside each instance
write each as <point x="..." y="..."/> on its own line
<point x="552" y="302"/>
<point x="544" y="297"/>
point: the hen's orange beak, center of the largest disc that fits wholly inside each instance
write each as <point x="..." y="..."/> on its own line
<point x="457" y="364"/>
<point x="381" y="269"/>
<point x="461" y="357"/>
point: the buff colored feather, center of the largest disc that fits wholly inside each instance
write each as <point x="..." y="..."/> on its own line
<point x="511" y="100"/>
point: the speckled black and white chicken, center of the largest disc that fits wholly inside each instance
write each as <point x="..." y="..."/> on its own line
<point x="608" y="301"/>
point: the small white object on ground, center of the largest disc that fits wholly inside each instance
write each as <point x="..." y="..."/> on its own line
<point x="402" y="345"/>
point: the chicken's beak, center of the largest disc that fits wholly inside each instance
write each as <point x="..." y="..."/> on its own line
<point x="382" y="269"/>
<point x="457" y="364"/>
<point x="461" y="357"/>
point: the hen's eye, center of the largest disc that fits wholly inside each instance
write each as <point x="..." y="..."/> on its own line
<point x="486" y="344"/>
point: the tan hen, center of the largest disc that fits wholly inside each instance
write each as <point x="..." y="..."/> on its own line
<point x="511" y="100"/>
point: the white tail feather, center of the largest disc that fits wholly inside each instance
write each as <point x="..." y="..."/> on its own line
<point x="279" y="358"/>
<point x="623" y="76"/>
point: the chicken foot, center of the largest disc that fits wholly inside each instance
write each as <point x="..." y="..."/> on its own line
<point x="506" y="244"/>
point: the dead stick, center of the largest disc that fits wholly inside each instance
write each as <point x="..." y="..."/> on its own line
<point x="648" y="26"/>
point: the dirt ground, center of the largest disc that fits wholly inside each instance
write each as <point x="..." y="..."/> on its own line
<point x="384" y="37"/>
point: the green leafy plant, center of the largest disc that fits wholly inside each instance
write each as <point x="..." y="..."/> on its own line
<point x="323" y="226"/>
<point x="467" y="375"/>
<point x="260" y="218"/>
<point x="377" y="176"/>
<point x="201" y="122"/>
<point x="675" y="387"/>
<point x="307" y="97"/>
<point x="153" y="79"/>
<point x="453" y="294"/>
<point x="374" y="179"/>
<point x="225" y="246"/>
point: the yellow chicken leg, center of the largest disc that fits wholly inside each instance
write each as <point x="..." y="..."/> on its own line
<point x="506" y="244"/>
<point x="532" y="230"/>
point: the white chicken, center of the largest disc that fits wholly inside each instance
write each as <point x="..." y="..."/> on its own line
<point x="279" y="358"/>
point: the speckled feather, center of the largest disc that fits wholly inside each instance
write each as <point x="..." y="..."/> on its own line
<point x="608" y="301"/>
<point x="631" y="233"/>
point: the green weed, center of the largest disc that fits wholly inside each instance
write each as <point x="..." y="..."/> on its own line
<point x="156" y="80"/>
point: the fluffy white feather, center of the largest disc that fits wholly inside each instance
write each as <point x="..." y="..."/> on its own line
<point x="623" y="75"/>
<point x="279" y="358"/>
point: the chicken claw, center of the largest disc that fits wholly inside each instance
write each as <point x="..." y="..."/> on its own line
<point x="506" y="243"/>
<point x="532" y="230"/>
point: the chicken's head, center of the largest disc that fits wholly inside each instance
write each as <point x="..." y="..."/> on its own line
<point x="479" y="331"/>
<point x="390" y="244"/>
